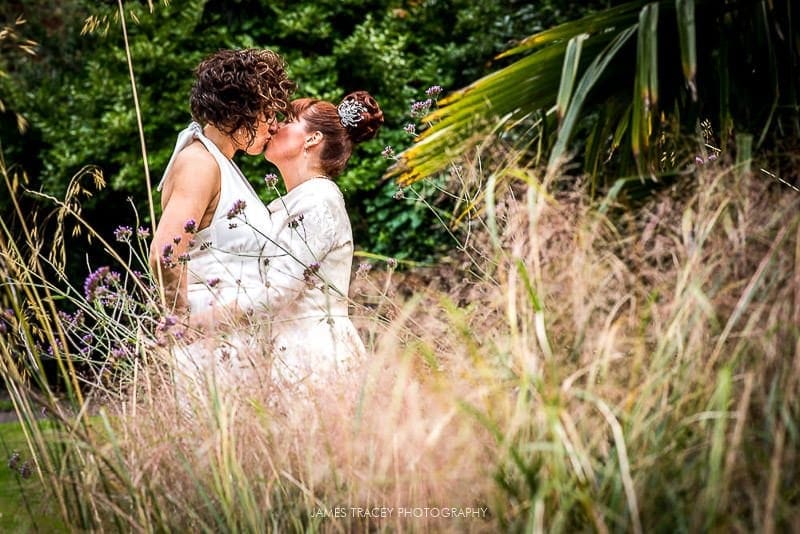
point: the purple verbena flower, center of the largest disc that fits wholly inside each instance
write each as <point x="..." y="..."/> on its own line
<point x="94" y="283"/>
<point x="190" y="226"/>
<point x="410" y="128"/>
<point x="13" y="460"/>
<point x="388" y="152"/>
<point x="237" y="209"/>
<point x="123" y="234"/>
<point x="421" y="107"/>
<point x="143" y="232"/>
<point x="166" y="256"/>
<point x="363" y="269"/>
<point x="176" y="239"/>
<point x="212" y="282"/>
<point x="25" y="470"/>
<point x="167" y="322"/>
<point x="434" y="91"/>
<point x="309" y="272"/>
<point x="271" y="179"/>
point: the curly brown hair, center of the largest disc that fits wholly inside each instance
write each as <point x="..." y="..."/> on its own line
<point x="234" y="89"/>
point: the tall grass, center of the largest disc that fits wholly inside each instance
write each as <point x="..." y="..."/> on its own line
<point x="577" y="366"/>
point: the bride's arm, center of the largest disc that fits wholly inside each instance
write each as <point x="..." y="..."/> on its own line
<point x="190" y="188"/>
<point x="294" y="258"/>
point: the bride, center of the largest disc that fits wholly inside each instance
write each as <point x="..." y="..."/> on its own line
<point x="310" y="250"/>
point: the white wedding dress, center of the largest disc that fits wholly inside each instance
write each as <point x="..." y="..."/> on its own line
<point x="225" y="272"/>
<point x="286" y="266"/>
<point x="224" y="267"/>
<point x="308" y="278"/>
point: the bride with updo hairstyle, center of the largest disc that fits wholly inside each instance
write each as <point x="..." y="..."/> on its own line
<point x="310" y="247"/>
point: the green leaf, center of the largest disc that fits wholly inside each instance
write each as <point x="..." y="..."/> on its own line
<point x="590" y="77"/>
<point x="568" y="73"/>
<point x="687" y="35"/>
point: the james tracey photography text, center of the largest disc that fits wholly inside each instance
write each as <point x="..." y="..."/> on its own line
<point x="386" y="512"/>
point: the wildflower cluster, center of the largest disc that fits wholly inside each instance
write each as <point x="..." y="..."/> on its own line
<point x="124" y="233"/>
<point x="310" y="272"/>
<point x="237" y="208"/>
<point x="190" y="226"/>
<point x="702" y="161"/>
<point x="22" y="468"/>
<point x="388" y="152"/>
<point x="295" y="221"/>
<point x="271" y="179"/>
<point x="101" y="285"/>
<point x="167" y="259"/>
<point x="418" y="109"/>
<point x="421" y="108"/>
<point x="363" y="269"/>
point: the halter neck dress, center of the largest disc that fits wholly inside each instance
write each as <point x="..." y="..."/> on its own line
<point x="224" y="266"/>
<point x="225" y="271"/>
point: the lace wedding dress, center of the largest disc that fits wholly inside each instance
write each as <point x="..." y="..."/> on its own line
<point x="310" y="255"/>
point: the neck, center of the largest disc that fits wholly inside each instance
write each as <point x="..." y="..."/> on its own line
<point x="294" y="177"/>
<point x="224" y="142"/>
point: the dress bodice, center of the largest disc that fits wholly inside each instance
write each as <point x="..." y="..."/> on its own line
<point x="310" y="261"/>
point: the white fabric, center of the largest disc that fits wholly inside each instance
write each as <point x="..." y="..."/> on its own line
<point x="227" y="250"/>
<point x="310" y="260"/>
<point x="224" y="270"/>
<point x="288" y="264"/>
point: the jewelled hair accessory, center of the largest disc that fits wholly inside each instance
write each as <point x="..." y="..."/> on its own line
<point x="350" y="112"/>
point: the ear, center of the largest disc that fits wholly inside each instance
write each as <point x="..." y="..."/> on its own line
<point x="313" y="139"/>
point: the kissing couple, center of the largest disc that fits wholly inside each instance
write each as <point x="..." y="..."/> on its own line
<point x="260" y="287"/>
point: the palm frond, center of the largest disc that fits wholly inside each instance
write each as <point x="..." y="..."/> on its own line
<point x="587" y="75"/>
<point x="528" y="85"/>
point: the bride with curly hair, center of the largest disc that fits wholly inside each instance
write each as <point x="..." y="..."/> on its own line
<point x="200" y="259"/>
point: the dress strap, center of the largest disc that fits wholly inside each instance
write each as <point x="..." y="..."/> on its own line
<point x="192" y="132"/>
<point x="195" y="131"/>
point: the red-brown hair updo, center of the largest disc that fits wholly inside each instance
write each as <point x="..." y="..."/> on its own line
<point x="338" y="139"/>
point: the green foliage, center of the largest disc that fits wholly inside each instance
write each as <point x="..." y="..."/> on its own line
<point x="675" y="62"/>
<point x="77" y="94"/>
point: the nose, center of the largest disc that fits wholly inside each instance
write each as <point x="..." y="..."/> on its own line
<point x="274" y="126"/>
